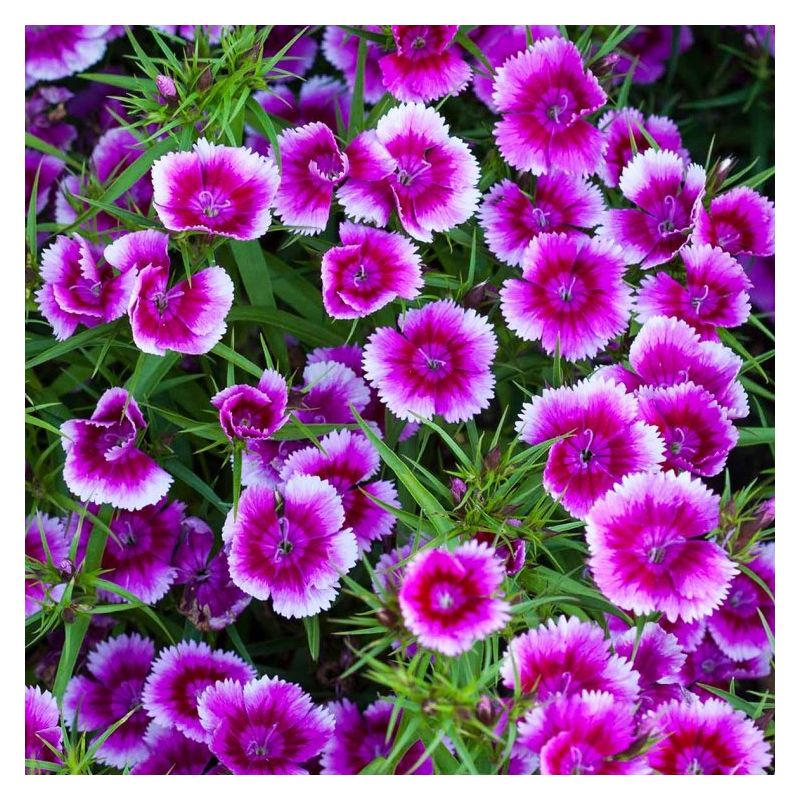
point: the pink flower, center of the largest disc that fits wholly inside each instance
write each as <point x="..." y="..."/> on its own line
<point x="426" y="66"/>
<point x="296" y="555"/>
<point x="738" y="221"/>
<point x="48" y="168"/>
<point x="511" y="219"/>
<point x="248" y="413"/>
<point x="602" y="440"/>
<point x="329" y="389"/>
<point x="340" y="48"/>
<point x="648" y="551"/>
<point x="368" y="270"/>
<point x="512" y="554"/>
<point x="103" y="463"/>
<point x="172" y="753"/>
<point x="216" y="189"/>
<point x="565" y="656"/>
<point x="347" y="461"/>
<point x="41" y="726"/>
<point x="572" y="296"/>
<point x="42" y="531"/>
<point x="715" y="295"/>
<point x="668" y="196"/>
<point x="44" y="117"/>
<point x="449" y="600"/>
<point x="411" y="164"/>
<point x="58" y="51"/>
<point x="544" y="96"/>
<point x="706" y="738"/>
<point x="439" y="363"/>
<point x="264" y="727"/>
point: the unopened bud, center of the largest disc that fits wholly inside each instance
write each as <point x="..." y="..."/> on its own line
<point x="66" y="568"/>
<point x="458" y="489"/>
<point x="204" y="81"/>
<point x="387" y="618"/>
<point x="479" y="295"/>
<point x="492" y="460"/>
<point x="428" y="707"/>
<point x="166" y="87"/>
<point x="485" y="710"/>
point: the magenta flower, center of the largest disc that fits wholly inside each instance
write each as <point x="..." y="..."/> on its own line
<point x="715" y="295"/>
<point x="215" y="189"/>
<point x="737" y="626"/>
<point x="648" y="551"/>
<point x="263" y="461"/>
<point x="138" y="557"/>
<point x="58" y="51"/>
<point x="511" y="554"/>
<point x="706" y="664"/>
<point x="511" y="219"/>
<point x="48" y="168"/>
<point x="668" y="196"/>
<point x="248" y="413"/>
<point x="411" y="164"/>
<point x="389" y="571"/>
<point x="39" y="527"/>
<point x="426" y="66"/>
<point x="650" y="48"/>
<point x="296" y="555"/>
<point x="347" y="461"/>
<point x="439" y="363"/>
<point x="180" y="675"/>
<point x="602" y="440"/>
<point x="329" y="389"/>
<point x="450" y="600"/>
<point x="544" y="96"/>
<point x="360" y="737"/>
<point x="565" y="656"/>
<point x="41" y="726"/>
<point x="297" y="60"/>
<point x="340" y="48"/>
<point x="76" y="290"/>
<point x="169" y="752"/>
<point x="311" y="166"/>
<point x="738" y="221"/>
<point x="369" y="269"/>
<point x="697" y="432"/>
<point x="572" y="296"/>
<point x="44" y="116"/>
<point x="706" y="738"/>
<point x="580" y="734"/>
<point x="103" y="463"/>
<point x="264" y="727"/>
<point x="622" y="126"/>
<point x="117" y="671"/>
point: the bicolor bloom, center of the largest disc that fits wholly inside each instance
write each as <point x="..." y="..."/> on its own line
<point x="329" y="389"/>
<point x="624" y="130"/>
<point x="58" y="51"/>
<point x="450" y="600"/>
<point x="347" y="461"/>
<point x="248" y="413"/>
<point x="295" y="555"/>
<point x="695" y="428"/>
<point x="117" y="670"/>
<point x="581" y="734"/>
<point x="340" y="48"/>
<point x="650" y="48"/>
<point x="180" y="675"/>
<point x="706" y="664"/>
<point x="263" y="727"/>
<point x="169" y="752"/>
<point x="103" y="463"/>
<point x="706" y="738"/>
<point x="263" y="461"/>
<point x="411" y="164"/>
<point x="438" y="363"/>
<point x="600" y="440"/>
<point x="739" y="625"/>
<point x="561" y="203"/>
<point x="210" y="600"/>
<point x="311" y="167"/>
<point x="565" y="656"/>
<point x="740" y="221"/>
<point x="369" y="269"/>
<point x="76" y="290"/>
<point x="544" y="95"/>
<point x="138" y="557"/>
<point x="648" y="550"/>
<point x="668" y="196"/>
<point x="215" y="189"/>
<point x="42" y="729"/>
<point x="46" y="542"/>
<point x="572" y="296"/>
<point x="297" y="59"/>
<point x="361" y="736"/>
<point x="426" y="65"/>
<point x="715" y="294"/>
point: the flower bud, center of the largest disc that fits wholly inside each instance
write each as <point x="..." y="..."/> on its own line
<point x="166" y="87"/>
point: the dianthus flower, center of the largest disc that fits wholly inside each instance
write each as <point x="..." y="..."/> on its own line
<point x="248" y="413"/>
<point x="340" y="48"/>
<point x="544" y="95"/>
<point x="58" y="51"/>
<point x="41" y="726"/>
<point x="426" y="65"/>
<point x="264" y="727"/>
<point x="329" y="389"/>
<point x="44" y="116"/>
<point x="411" y="164"/>
<point x="48" y="168"/>
<point x="562" y="203"/>
<point x="117" y="671"/>
<point x="512" y="554"/>
<point x="439" y="363"/>
<point x="449" y="600"/>
<point x="215" y="189"/>
<point x="297" y="60"/>
<point x="602" y="440"/>
<point x="648" y="551"/>
<point x="572" y="296"/>
<point x="169" y="752"/>
<point x="52" y="530"/>
<point x="388" y="574"/>
<point x="738" y="221"/>
<point x="103" y="463"/>
<point x="650" y="48"/>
